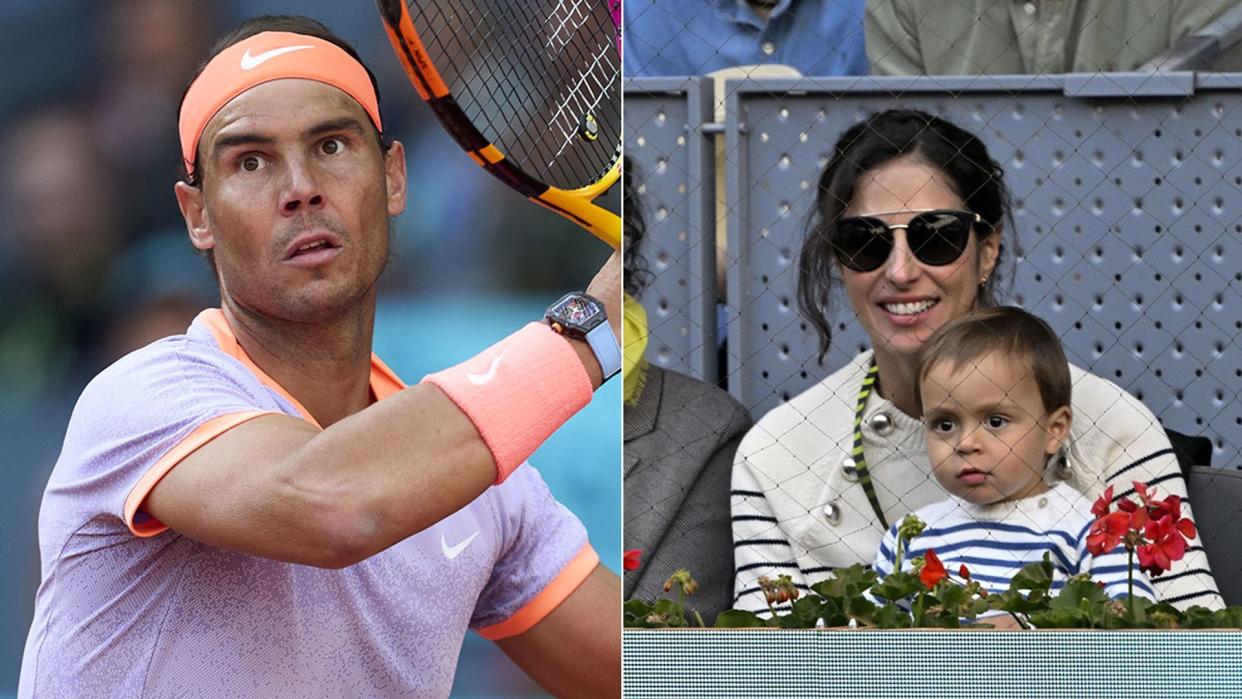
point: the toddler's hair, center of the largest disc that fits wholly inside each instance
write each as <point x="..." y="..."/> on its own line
<point x="1020" y="336"/>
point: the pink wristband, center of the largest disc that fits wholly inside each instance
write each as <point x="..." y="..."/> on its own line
<point x="518" y="392"/>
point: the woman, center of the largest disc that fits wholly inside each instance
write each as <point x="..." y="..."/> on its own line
<point x="910" y="217"/>
<point x="680" y="438"/>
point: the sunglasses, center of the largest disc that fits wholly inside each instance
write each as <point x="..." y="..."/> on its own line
<point x="863" y="243"/>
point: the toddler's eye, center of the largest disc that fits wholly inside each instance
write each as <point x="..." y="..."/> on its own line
<point x="996" y="421"/>
<point x="943" y="424"/>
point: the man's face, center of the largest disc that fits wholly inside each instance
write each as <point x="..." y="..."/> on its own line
<point x="295" y="200"/>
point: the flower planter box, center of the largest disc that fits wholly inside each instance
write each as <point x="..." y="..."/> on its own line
<point x="930" y="663"/>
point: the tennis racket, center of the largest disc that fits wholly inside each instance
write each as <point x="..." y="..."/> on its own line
<point x="530" y="89"/>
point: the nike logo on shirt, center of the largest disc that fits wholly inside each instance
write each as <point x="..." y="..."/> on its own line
<point x="451" y="552"/>
<point x="249" y="62"/>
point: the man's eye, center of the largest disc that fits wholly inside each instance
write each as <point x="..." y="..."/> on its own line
<point x="996" y="422"/>
<point x="332" y="146"/>
<point x="250" y="163"/>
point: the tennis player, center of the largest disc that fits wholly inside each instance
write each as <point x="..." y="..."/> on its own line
<point x="260" y="507"/>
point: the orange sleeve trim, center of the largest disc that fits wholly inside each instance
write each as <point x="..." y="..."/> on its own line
<point x="563" y="585"/>
<point x="201" y="435"/>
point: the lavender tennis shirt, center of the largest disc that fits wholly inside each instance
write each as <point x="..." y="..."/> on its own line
<point x="130" y="608"/>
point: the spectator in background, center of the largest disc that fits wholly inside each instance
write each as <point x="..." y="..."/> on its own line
<point x="692" y="37"/>
<point x="971" y="37"/>
<point x="680" y="438"/>
<point x="154" y="45"/>
<point x="60" y="233"/>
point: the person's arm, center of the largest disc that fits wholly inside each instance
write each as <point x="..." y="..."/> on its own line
<point x="1115" y="430"/>
<point x="891" y="39"/>
<point x="760" y="546"/>
<point x="278" y="487"/>
<point x="575" y="651"/>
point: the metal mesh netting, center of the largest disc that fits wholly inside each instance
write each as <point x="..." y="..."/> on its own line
<point x="1121" y="234"/>
<point x="530" y="75"/>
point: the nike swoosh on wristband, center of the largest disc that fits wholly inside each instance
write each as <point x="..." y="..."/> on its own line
<point x="451" y="552"/>
<point x="480" y="379"/>
<point x="249" y="62"/>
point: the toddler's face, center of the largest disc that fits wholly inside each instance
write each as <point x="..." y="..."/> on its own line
<point x="988" y="435"/>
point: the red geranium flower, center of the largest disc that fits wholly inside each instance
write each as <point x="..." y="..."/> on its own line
<point x="1107" y="532"/>
<point x="632" y="559"/>
<point x="963" y="572"/>
<point x="933" y="570"/>
<point x="1167" y="545"/>
<point x="1103" y="503"/>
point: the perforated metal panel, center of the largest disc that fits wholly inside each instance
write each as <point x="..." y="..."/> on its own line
<point x="1128" y="217"/>
<point x="674" y="184"/>
<point x="761" y="663"/>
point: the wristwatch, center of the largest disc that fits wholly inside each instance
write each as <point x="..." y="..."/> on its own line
<point x="582" y="317"/>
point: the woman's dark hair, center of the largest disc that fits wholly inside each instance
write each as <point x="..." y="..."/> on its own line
<point x="880" y="138"/>
<point x="278" y="23"/>
<point x="636" y="273"/>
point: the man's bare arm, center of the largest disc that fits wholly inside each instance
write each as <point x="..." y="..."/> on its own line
<point x="575" y="651"/>
<point x="280" y="488"/>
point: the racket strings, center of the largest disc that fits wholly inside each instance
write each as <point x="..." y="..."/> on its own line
<point x="535" y="78"/>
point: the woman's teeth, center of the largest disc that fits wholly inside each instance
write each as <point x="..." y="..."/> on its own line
<point x="908" y="309"/>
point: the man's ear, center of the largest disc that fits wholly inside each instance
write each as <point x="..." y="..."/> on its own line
<point x="194" y="211"/>
<point x="394" y="170"/>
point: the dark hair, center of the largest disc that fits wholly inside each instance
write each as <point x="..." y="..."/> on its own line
<point x="295" y="24"/>
<point x="883" y="137"/>
<point x="1013" y="332"/>
<point x="632" y="225"/>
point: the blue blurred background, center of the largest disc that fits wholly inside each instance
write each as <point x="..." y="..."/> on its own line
<point x="94" y="260"/>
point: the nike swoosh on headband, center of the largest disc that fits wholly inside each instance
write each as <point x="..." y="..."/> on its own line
<point x="250" y="62"/>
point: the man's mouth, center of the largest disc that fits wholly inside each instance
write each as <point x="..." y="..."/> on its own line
<point x="313" y="243"/>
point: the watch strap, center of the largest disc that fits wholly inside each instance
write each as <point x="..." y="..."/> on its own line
<point x="607" y="350"/>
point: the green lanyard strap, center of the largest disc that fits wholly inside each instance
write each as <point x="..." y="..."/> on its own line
<point x="860" y="461"/>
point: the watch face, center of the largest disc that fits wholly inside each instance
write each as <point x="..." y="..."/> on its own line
<point x="576" y="310"/>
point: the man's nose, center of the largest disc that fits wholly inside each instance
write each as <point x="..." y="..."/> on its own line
<point x="303" y="190"/>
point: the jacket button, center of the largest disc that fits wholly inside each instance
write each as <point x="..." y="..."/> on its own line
<point x="849" y="468"/>
<point x="882" y="423"/>
<point x="832" y="513"/>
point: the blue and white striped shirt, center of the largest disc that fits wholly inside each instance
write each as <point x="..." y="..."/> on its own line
<point x="995" y="541"/>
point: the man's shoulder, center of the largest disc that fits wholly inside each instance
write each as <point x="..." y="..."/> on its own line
<point x="175" y="359"/>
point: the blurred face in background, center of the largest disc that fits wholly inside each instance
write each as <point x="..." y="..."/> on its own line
<point x="903" y="302"/>
<point x="295" y="200"/>
<point x="60" y="201"/>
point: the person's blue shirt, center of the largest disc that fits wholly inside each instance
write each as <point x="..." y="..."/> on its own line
<point x="694" y="37"/>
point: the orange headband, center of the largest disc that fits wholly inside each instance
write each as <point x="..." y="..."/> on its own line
<point x="262" y="58"/>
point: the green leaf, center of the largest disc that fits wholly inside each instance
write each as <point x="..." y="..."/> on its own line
<point x="897" y="586"/>
<point x="1230" y="618"/>
<point x="846" y="582"/>
<point x="1198" y="618"/>
<point x="1034" y="576"/>
<point x="805" y="614"/>
<point x="739" y="619"/>
<point x="890" y="616"/>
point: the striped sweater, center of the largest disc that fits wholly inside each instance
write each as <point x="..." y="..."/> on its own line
<point x="796" y="510"/>
<point x="995" y="541"/>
